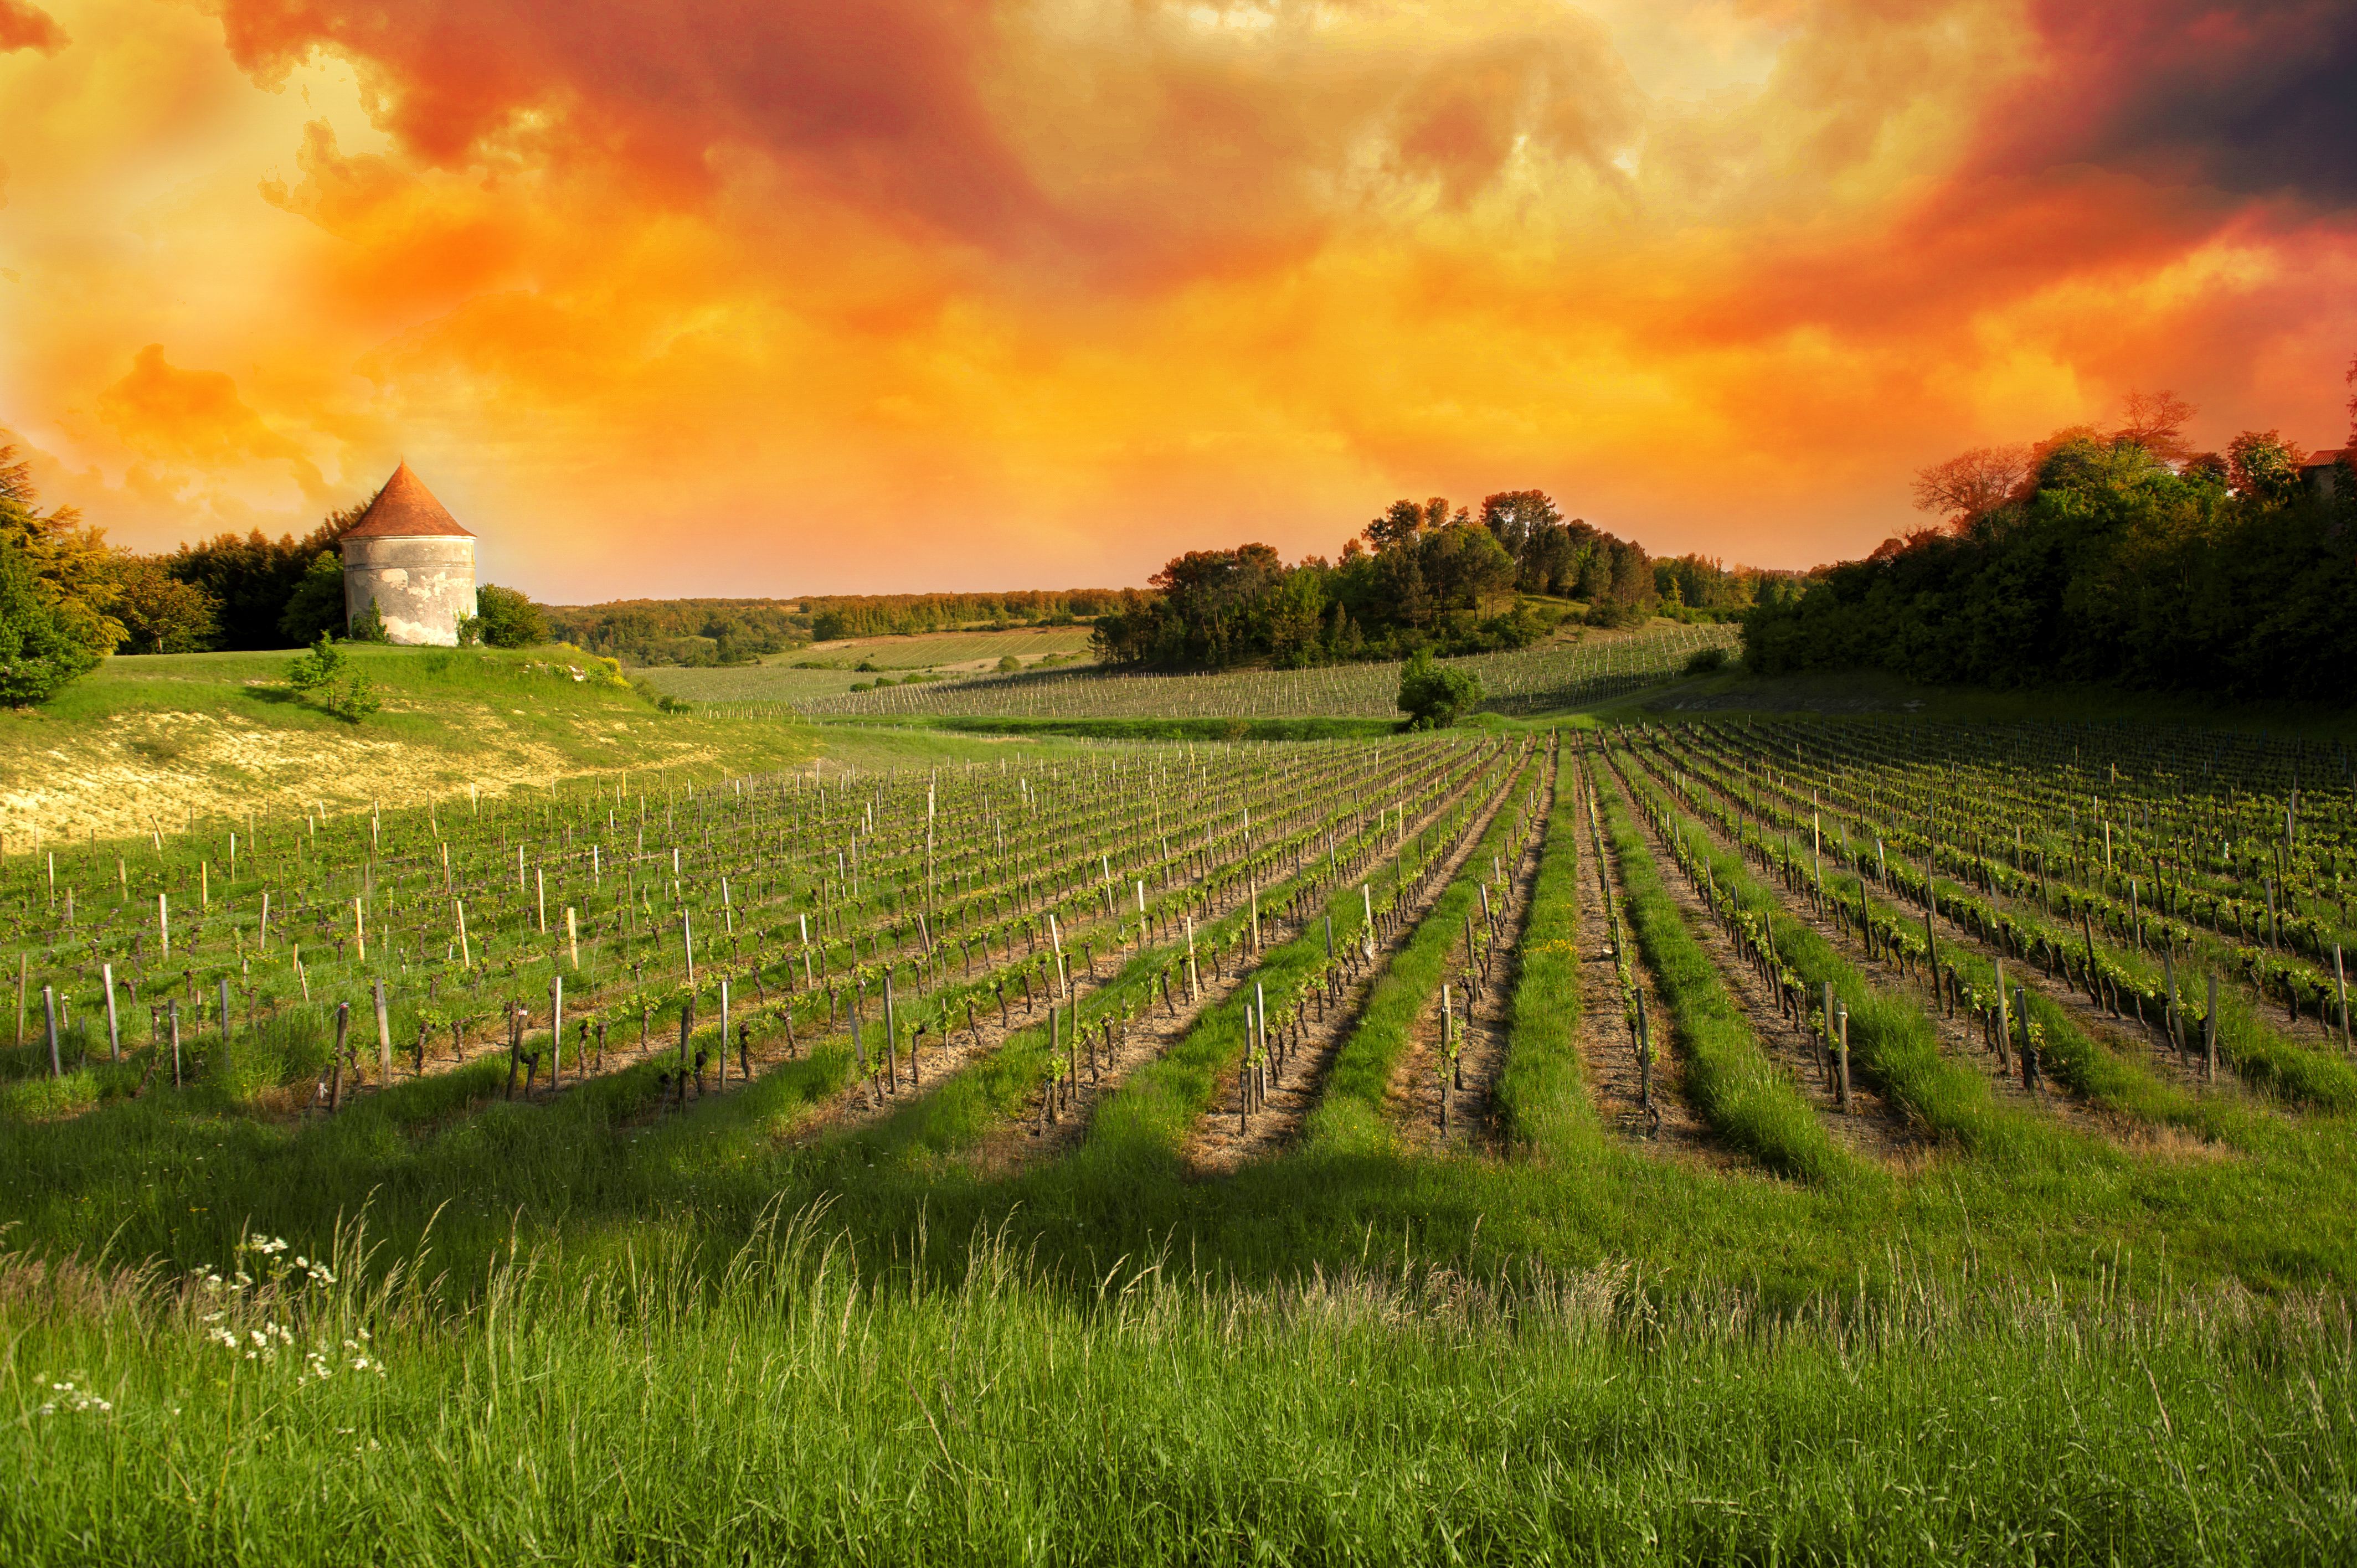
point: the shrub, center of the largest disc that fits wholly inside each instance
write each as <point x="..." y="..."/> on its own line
<point x="1706" y="661"/>
<point x="325" y="672"/>
<point x="1432" y="694"/>
<point x="506" y="618"/>
<point x="368" y="626"/>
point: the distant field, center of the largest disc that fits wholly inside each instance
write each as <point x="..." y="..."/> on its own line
<point x="941" y="650"/>
<point x="766" y="682"/>
<point x="1600" y="665"/>
<point x="777" y="680"/>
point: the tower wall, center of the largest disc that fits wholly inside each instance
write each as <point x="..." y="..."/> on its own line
<point x="420" y="585"/>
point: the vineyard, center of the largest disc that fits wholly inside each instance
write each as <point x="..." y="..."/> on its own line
<point x="1743" y="1140"/>
<point x="1535" y="680"/>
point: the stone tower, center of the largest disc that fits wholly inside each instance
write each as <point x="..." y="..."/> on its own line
<point x="412" y="558"/>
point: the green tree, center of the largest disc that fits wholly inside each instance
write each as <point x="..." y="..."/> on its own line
<point x="2259" y="462"/>
<point x="72" y="570"/>
<point x="506" y="618"/>
<point x="317" y="605"/>
<point x="250" y="579"/>
<point x="160" y="614"/>
<point x="1465" y="566"/>
<point x="1433" y="695"/>
<point x="38" y="653"/>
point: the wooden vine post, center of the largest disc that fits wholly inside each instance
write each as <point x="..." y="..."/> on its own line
<point x="383" y="1036"/>
<point x="113" y="1025"/>
<point x="1841" y="1050"/>
<point x="2210" y="1033"/>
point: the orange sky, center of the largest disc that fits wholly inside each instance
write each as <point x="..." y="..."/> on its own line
<point x="765" y="296"/>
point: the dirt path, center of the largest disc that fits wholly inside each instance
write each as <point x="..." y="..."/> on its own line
<point x="1035" y="1138"/>
<point x="1223" y="1139"/>
<point x="1607" y="1039"/>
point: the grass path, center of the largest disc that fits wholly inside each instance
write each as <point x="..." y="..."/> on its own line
<point x="1730" y="1078"/>
<point x="1431" y="1105"/>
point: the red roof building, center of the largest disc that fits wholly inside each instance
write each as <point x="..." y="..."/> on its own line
<point x="408" y="558"/>
<point x="406" y="508"/>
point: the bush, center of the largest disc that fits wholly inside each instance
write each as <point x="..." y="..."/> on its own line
<point x="1433" y="696"/>
<point x="1008" y="664"/>
<point x="326" y="672"/>
<point x="1705" y="662"/>
<point x="1614" y="614"/>
<point x="368" y="626"/>
<point x="36" y="655"/>
<point x="506" y="618"/>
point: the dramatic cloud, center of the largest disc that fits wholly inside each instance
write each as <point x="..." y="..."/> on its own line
<point x="24" y="26"/>
<point x="2252" y="98"/>
<point x="193" y="416"/>
<point x="728" y="296"/>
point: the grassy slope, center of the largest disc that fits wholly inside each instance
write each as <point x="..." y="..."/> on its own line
<point x="164" y="737"/>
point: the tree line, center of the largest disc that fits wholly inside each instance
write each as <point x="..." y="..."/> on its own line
<point x="682" y="631"/>
<point x="834" y="617"/>
<point x="2120" y="556"/>
<point x="739" y="631"/>
<point x="1423" y="577"/>
<point x="68" y="599"/>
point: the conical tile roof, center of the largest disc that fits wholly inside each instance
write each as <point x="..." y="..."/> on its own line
<point x="406" y="508"/>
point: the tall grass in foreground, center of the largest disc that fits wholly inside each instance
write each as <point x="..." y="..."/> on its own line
<point x="799" y="1401"/>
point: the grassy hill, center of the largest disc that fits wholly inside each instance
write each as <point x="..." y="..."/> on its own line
<point x="148" y="742"/>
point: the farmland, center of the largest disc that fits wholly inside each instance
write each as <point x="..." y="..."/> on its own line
<point x="1615" y="1137"/>
<point x="1597" y="666"/>
<point x="784" y="679"/>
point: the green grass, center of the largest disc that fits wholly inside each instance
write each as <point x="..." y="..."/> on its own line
<point x="1351" y="1119"/>
<point x="1541" y="1092"/>
<point x="602" y="1344"/>
<point x="1728" y="1076"/>
<point x="789" y="1400"/>
<point x="161" y="738"/>
<point x="779" y="679"/>
<point x="935" y="649"/>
